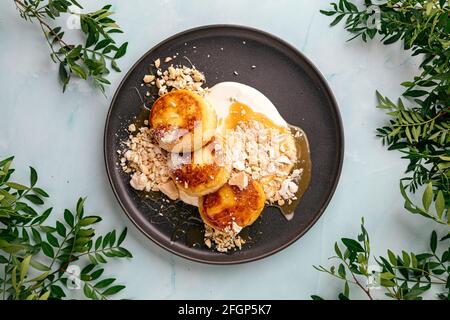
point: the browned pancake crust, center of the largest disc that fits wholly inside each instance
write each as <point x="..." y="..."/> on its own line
<point x="230" y="204"/>
<point x="194" y="175"/>
<point x="183" y="103"/>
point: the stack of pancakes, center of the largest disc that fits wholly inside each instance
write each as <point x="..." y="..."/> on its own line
<point x="185" y="125"/>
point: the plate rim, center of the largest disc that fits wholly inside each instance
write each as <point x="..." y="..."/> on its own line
<point x="339" y="123"/>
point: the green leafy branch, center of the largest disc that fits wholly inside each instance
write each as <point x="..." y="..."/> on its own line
<point x="422" y="25"/>
<point x="50" y="250"/>
<point x="420" y="132"/>
<point x="402" y="277"/>
<point x="423" y="139"/>
<point x="354" y="264"/>
<point x="90" y="60"/>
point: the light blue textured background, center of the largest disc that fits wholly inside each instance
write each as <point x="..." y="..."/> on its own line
<point x="61" y="136"/>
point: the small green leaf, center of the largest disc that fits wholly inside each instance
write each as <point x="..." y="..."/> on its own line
<point x="88" y="269"/>
<point x="47" y="249"/>
<point x="47" y="229"/>
<point x="406" y="259"/>
<point x="96" y="274"/>
<point x="57" y="291"/>
<point x="24" y="266"/>
<point x="36" y="235"/>
<point x="87" y="291"/>
<point x="17" y="186"/>
<point x="68" y="217"/>
<point x="341" y="271"/>
<point x="33" y="176"/>
<point x="392" y="257"/>
<point x="92" y="259"/>
<point x="99" y="258"/>
<point x="113" y="290"/>
<point x="408" y="135"/>
<point x="124" y="234"/>
<point x="387" y="275"/>
<point x="61" y="229"/>
<point x="106" y="240"/>
<point x="114" y="66"/>
<point x="52" y="240"/>
<point x="427" y="196"/>
<point x="415" y="93"/>
<point x="103" y="43"/>
<point x="337" y="20"/>
<point x="38" y="265"/>
<point x="387" y="283"/>
<point x="438" y="271"/>
<point x="34" y="199"/>
<point x="98" y="243"/>
<point x="122" y="50"/>
<point x="63" y="75"/>
<point x="352" y="245"/>
<point x="393" y="38"/>
<point x="328" y="13"/>
<point x="40" y="277"/>
<point x="78" y="70"/>
<point x="45" y="296"/>
<point x="102" y="80"/>
<point x="80" y="207"/>
<point x="76" y="3"/>
<point x="433" y="241"/>
<point x="40" y="192"/>
<point x="112" y="238"/>
<point x="414" y="261"/>
<point x="86" y="232"/>
<point x="104" y="283"/>
<point x="114" y="31"/>
<point x="346" y="290"/>
<point x="125" y="253"/>
<point x="407" y="84"/>
<point x="89" y="220"/>
<point x="81" y="241"/>
<point x="440" y="204"/>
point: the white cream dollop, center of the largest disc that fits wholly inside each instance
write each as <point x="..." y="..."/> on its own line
<point x="222" y="95"/>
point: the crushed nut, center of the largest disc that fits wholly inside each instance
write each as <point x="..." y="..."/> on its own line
<point x="240" y="180"/>
<point x="132" y="127"/>
<point x="266" y="155"/>
<point x="143" y="158"/>
<point x="223" y="240"/>
<point x="148" y="78"/>
<point x="180" y="77"/>
<point x="169" y="189"/>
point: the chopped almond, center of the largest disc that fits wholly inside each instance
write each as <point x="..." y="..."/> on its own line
<point x="240" y="180"/>
<point x="149" y="78"/>
<point x="169" y="189"/>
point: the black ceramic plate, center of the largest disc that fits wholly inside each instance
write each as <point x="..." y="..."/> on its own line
<point x="289" y="80"/>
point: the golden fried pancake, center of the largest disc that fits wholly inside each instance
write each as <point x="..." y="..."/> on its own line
<point x="231" y="204"/>
<point x="201" y="173"/>
<point x="182" y="121"/>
